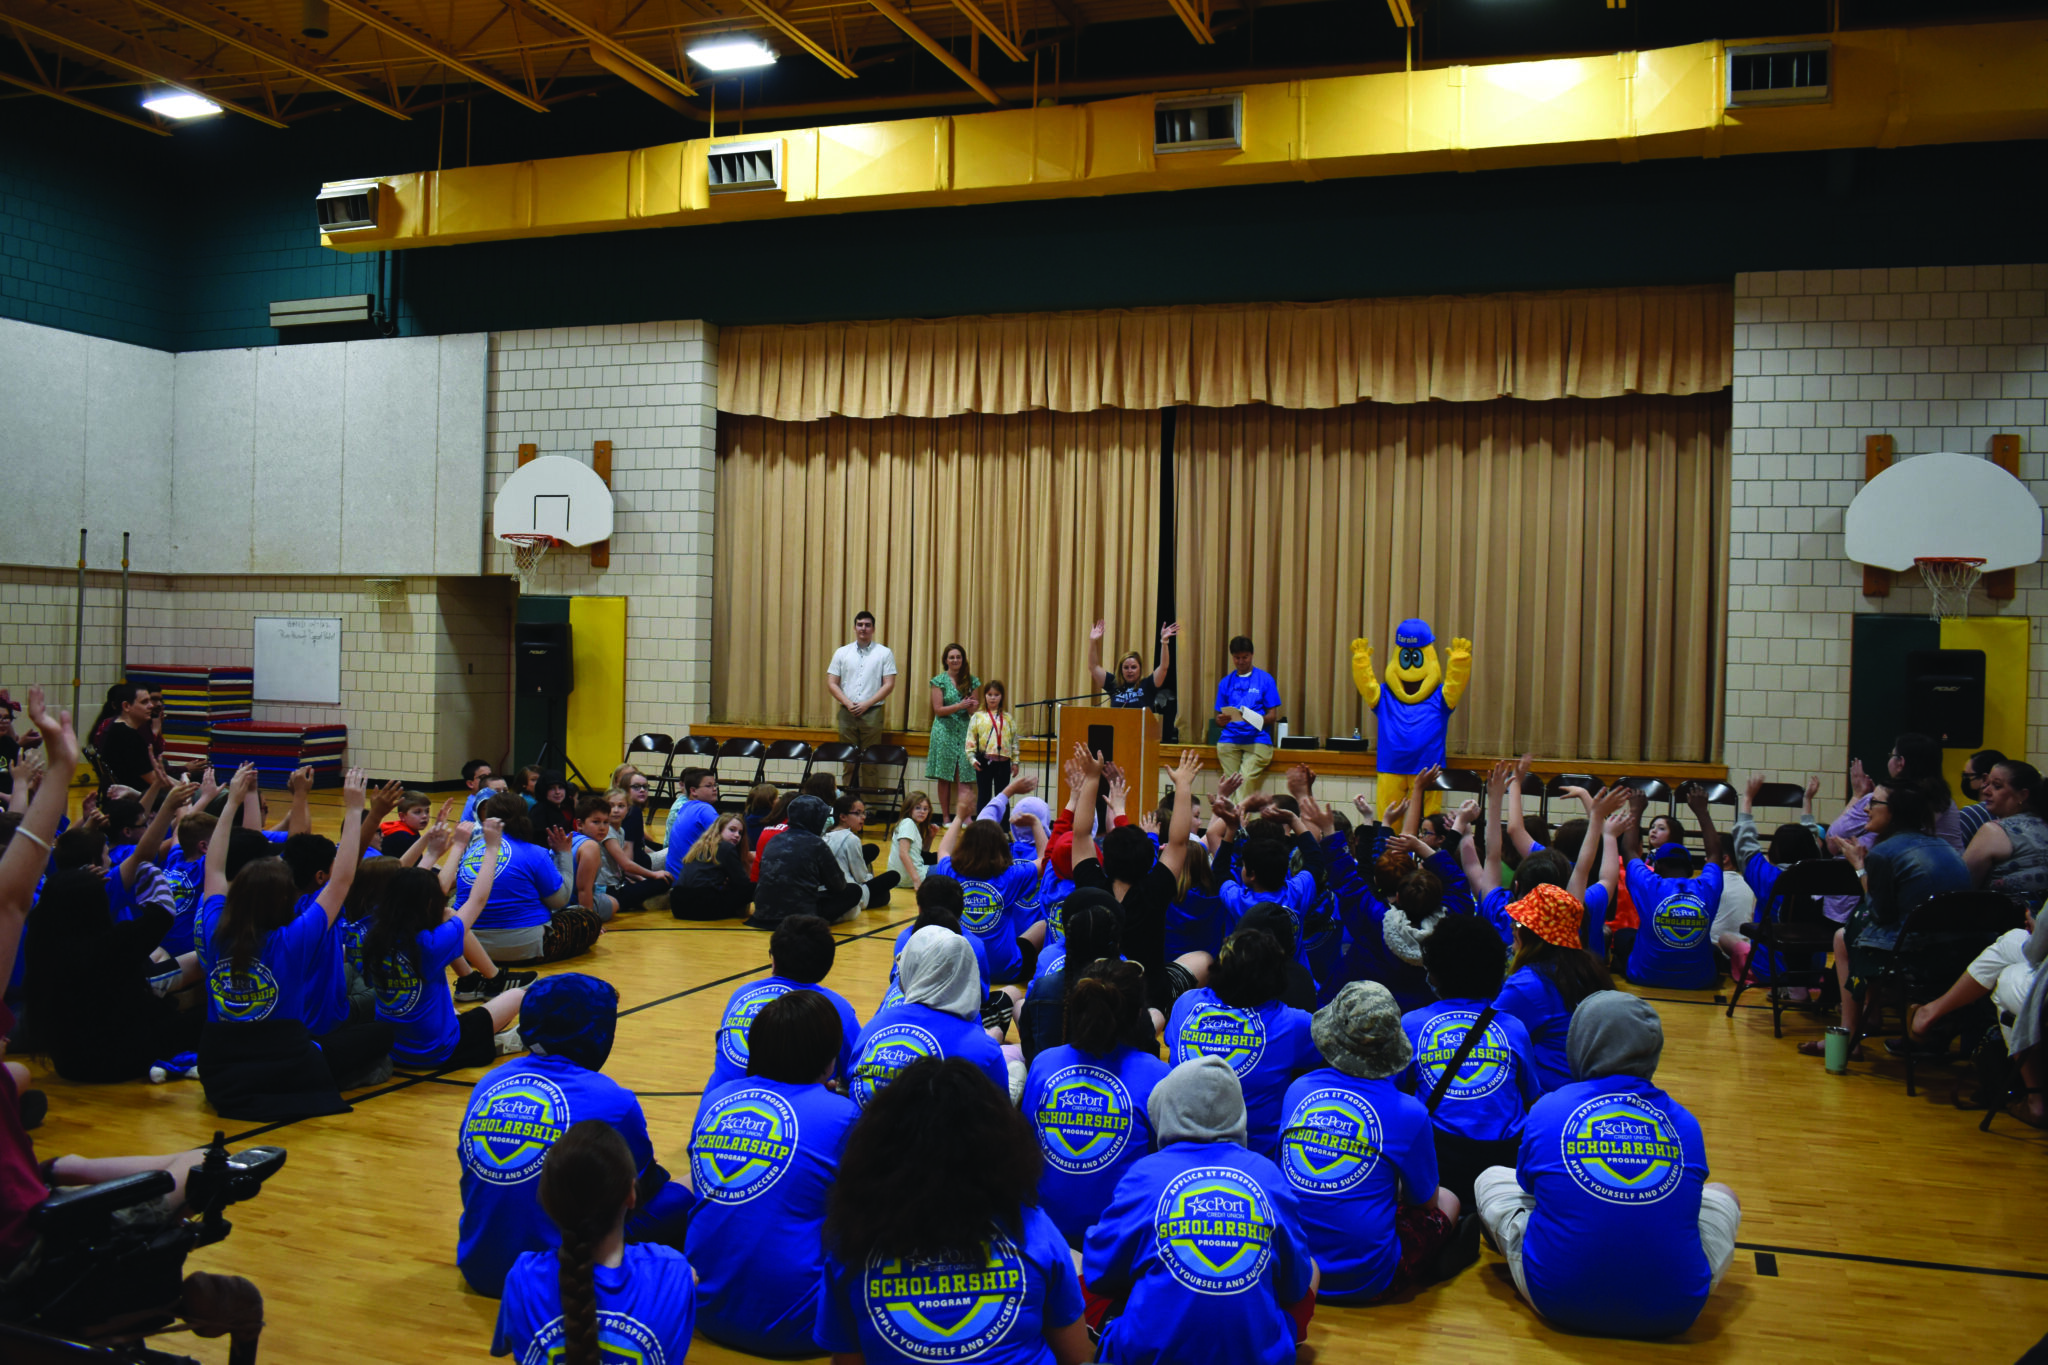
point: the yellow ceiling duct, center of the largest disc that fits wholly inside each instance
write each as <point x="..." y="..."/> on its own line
<point x="1886" y="88"/>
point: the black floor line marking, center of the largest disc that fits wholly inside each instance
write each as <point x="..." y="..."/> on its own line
<point x="1766" y="1264"/>
<point x="1894" y="1260"/>
<point x="722" y="981"/>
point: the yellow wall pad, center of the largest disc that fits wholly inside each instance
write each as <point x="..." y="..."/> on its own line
<point x="1888" y="88"/>
<point x="596" y="734"/>
<point x="2004" y="642"/>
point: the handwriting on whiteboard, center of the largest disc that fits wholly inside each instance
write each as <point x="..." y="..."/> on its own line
<point x="311" y="629"/>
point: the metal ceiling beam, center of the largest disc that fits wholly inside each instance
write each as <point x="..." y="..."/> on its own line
<point x="990" y="29"/>
<point x="645" y="84"/>
<point x="222" y="35"/>
<point x="122" y="63"/>
<point x="799" y="37"/>
<point x="392" y="28"/>
<point x="937" y="49"/>
<point x="610" y="44"/>
<point x="88" y="105"/>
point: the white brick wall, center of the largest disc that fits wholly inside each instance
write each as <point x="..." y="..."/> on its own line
<point x="1939" y="358"/>
<point x="650" y="389"/>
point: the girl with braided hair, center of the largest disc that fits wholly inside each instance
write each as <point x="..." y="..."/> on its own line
<point x="596" y="1293"/>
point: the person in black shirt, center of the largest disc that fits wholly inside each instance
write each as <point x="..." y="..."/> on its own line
<point x="122" y="738"/>
<point x="1131" y="686"/>
<point x="1144" y="887"/>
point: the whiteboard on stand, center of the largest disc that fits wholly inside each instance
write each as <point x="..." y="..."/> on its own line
<point x="298" y="658"/>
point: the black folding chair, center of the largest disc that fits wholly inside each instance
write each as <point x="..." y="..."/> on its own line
<point x="1776" y="794"/>
<point x="697" y="746"/>
<point x="662" y="785"/>
<point x="1460" y="780"/>
<point x="737" y="770"/>
<point x="834" y="757"/>
<point x="884" y="799"/>
<point x="1791" y="925"/>
<point x="784" y="751"/>
<point x="1936" y="945"/>
<point x="1560" y="787"/>
<point x="1655" y="791"/>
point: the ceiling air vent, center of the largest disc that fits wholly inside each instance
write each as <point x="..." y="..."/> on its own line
<point x="1198" y="123"/>
<point x="737" y="166"/>
<point x="1778" y="73"/>
<point x="347" y="206"/>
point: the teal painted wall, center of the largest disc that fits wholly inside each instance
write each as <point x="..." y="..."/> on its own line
<point x="182" y="243"/>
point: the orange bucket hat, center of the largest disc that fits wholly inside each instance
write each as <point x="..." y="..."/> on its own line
<point x="1551" y="913"/>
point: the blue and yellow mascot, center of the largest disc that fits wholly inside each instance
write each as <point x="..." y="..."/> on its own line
<point x="1413" y="711"/>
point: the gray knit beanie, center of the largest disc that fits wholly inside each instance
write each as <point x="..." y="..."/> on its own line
<point x="1360" y="1032"/>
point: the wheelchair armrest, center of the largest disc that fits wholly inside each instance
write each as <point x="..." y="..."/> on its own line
<point x="83" y="1211"/>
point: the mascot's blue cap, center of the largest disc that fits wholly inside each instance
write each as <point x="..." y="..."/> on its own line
<point x="1413" y="633"/>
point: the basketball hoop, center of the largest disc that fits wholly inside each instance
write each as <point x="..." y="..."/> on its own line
<point x="528" y="550"/>
<point x="1949" y="579"/>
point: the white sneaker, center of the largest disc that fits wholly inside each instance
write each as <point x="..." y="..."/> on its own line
<point x="509" y="1041"/>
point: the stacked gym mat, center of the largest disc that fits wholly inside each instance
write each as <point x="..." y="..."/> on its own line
<point x="196" y="698"/>
<point x="277" y="748"/>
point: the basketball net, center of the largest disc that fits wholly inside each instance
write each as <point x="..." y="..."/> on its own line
<point x="1949" y="580"/>
<point x="528" y="550"/>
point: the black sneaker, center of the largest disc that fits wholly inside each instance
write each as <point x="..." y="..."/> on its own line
<point x="471" y="987"/>
<point x="996" y="1011"/>
<point x="508" y="980"/>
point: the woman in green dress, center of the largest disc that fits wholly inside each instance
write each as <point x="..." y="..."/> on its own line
<point x="953" y="701"/>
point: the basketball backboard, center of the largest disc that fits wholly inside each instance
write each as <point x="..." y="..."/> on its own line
<point x="554" y="495"/>
<point x="1943" y="505"/>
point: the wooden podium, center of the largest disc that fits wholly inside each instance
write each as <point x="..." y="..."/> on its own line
<point x="1125" y="735"/>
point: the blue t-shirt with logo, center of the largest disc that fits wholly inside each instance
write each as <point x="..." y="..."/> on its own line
<point x="905" y="1033"/>
<point x="994" y="1309"/>
<point x="1532" y="997"/>
<point x="1614" y="1162"/>
<point x="417" y="1004"/>
<point x="516" y="1114"/>
<point x="1092" y="1122"/>
<point x="1053" y="890"/>
<point x="1195" y="923"/>
<point x="1266" y="1046"/>
<point x="729" y="1049"/>
<point x="288" y="979"/>
<point x="526" y="875"/>
<point x="1254" y="690"/>
<point x="644" y="1308"/>
<point x="1674" y="947"/>
<point x="1208" y="1239"/>
<point x="1354" y="1151"/>
<point x="686" y="824"/>
<point x="1410" y="735"/>
<point x="185" y="876"/>
<point x="763" y="1156"/>
<point x="1497" y="1082"/>
<point x="1238" y="900"/>
<point x="995" y="914"/>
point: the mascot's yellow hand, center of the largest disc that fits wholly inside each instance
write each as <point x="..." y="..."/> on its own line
<point x="1361" y="648"/>
<point x="1361" y="671"/>
<point x="1461" y="648"/>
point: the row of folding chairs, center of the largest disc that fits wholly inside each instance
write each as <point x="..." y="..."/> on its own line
<point x="742" y="764"/>
<point x="1538" y="791"/>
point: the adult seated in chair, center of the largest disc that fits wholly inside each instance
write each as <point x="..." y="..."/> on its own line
<point x="1908" y="864"/>
<point x="1612" y="1162"/>
<point x="32" y="1232"/>
<point x="2009" y="973"/>
<point x="519" y="1111"/>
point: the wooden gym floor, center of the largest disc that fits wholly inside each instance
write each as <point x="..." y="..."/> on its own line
<point x="1876" y="1227"/>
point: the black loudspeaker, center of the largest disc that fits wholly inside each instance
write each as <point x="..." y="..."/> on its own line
<point x="544" y="667"/>
<point x="1945" y="696"/>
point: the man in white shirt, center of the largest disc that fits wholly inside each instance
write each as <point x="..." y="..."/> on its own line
<point x="861" y="677"/>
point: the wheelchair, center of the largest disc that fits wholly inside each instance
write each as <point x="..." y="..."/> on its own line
<point x="106" y="1271"/>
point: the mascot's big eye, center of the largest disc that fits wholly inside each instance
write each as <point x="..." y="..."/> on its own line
<point x="1411" y="658"/>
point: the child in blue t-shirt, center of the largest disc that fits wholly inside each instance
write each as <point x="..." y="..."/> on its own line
<point x="1087" y="1098"/>
<point x="1240" y="1017"/>
<point x="939" y="1017"/>
<point x="939" y="902"/>
<point x="529" y="918"/>
<point x="636" y="1301"/>
<point x="1359" y="1154"/>
<point x="1201" y="1253"/>
<point x="412" y="939"/>
<point x="519" y="1111"/>
<point x="996" y="889"/>
<point x="1612" y="1161"/>
<point x="763" y="1156"/>
<point x="1674" y="947"/>
<point x="1478" y="1120"/>
<point x="912" y="1226"/>
<point x="801" y="952"/>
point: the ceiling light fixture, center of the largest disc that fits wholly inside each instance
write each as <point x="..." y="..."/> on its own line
<point x="179" y="104"/>
<point x="733" y="54"/>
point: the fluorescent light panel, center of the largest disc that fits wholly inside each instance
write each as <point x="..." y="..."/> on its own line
<point x="178" y="104"/>
<point x="733" y="54"/>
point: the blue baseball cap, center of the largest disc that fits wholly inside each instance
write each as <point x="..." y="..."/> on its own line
<point x="1413" y="633"/>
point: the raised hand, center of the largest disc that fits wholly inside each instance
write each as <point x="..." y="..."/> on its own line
<point x="1087" y="764"/>
<point x="1462" y="819"/>
<point x="1812" y="788"/>
<point x="1412" y="846"/>
<point x="1752" y="788"/>
<point x="1095" y="631"/>
<point x="558" y="838"/>
<point x="964" y="804"/>
<point x="1426" y="779"/>
<point x="1149" y="822"/>
<point x="1521" y="773"/>
<point x="243" y="780"/>
<point x="1021" y="786"/>
<point x="1396" y="811"/>
<point x="354" y="787"/>
<point x="1619" y="821"/>
<point x="448" y="808"/>
<point x="437" y="837"/>
<point x="494" y="834"/>
<point x="1361" y="648"/>
<point x="1119" y="788"/>
<point x="1168" y="631"/>
<point x="1860" y="782"/>
<point x="1187" y="770"/>
<point x="1604" y="805"/>
<point x="1850" y="851"/>
<point x="1364" y="806"/>
<point x="1299" y="780"/>
<point x="59" y="740"/>
<point x="301" y="781"/>
<point x="180" y="794"/>
<point x="1229" y="785"/>
<point x="385" y="800"/>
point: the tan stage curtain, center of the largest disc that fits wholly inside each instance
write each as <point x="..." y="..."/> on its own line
<point x="1581" y="545"/>
<point x="1578" y="344"/>
<point x="1009" y="535"/>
